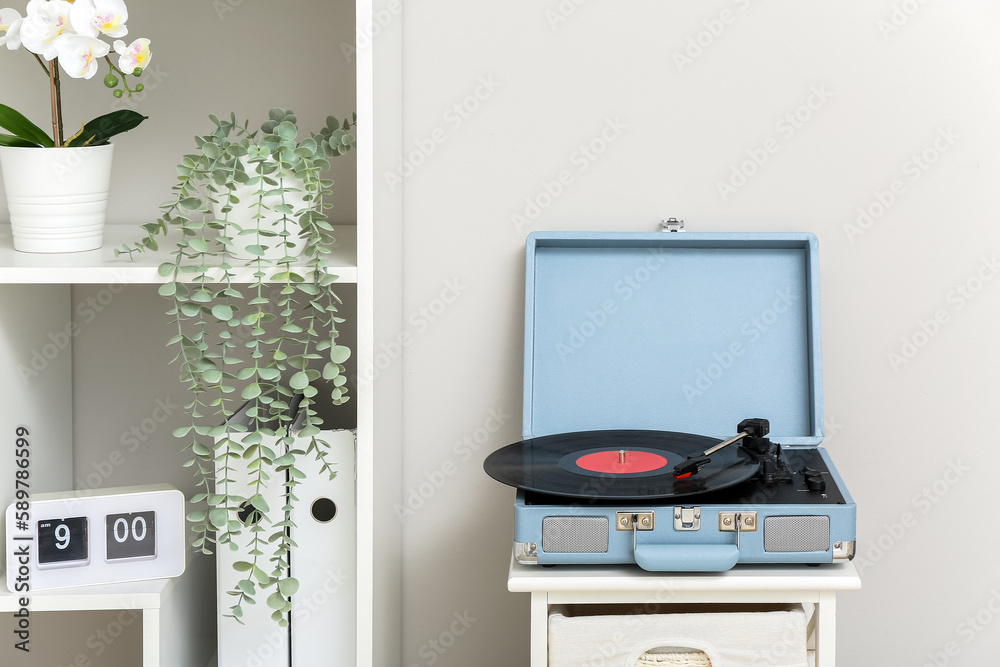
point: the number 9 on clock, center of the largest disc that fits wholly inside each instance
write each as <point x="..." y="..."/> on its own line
<point x="63" y="542"/>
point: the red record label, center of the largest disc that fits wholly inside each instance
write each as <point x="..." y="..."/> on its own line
<point x="621" y="461"/>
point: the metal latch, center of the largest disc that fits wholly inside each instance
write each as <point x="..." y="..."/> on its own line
<point x="633" y="521"/>
<point x="672" y="225"/>
<point x="737" y="522"/>
<point x="744" y="522"/>
<point x="687" y="518"/>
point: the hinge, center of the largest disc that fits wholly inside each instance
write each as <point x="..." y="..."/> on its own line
<point x="672" y="225"/>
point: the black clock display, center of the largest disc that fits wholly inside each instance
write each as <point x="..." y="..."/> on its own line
<point x="131" y="535"/>
<point x="63" y="540"/>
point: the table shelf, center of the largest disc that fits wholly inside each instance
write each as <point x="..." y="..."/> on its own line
<point x="630" y="578"/>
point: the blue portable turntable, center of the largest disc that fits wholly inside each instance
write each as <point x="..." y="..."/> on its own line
<point x="673" y="408"/>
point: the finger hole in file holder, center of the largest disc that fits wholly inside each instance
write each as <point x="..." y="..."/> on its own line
<point x="323" y="510"/>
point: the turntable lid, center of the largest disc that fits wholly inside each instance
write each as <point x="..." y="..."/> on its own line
<point x="672" y="331"/>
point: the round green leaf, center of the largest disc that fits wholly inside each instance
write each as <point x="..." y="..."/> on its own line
<point x="222" y="312"/>
<point x="286" y="130"/>
<point x="259" y="503"/>
<point x="288" y="587"/>
<point x="251" y="391"/>
<point x="269" y="374"/>
<point x="201" y="296"/>
<point x="299" y="381"/>
<point x="309" y="431"/>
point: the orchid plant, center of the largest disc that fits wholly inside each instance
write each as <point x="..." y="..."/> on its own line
<point x="70" y="31"/>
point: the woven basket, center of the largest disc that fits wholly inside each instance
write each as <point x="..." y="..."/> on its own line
<point x="697" y="659"/>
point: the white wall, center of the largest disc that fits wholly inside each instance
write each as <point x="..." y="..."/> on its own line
<point x="894" y="432"/>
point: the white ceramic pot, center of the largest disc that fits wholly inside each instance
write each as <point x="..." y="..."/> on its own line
<point x="243" y="214"/>
<point x="57" y="197"/>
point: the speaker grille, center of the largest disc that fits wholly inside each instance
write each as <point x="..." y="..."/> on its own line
<point x="797" y="533"/>
<point x="575" y="534"/>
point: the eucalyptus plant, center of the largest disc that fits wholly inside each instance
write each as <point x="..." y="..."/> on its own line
<point x="290" y="311"/>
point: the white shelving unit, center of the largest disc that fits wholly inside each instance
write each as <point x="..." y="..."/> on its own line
<point x="195" y="590"/>
<point x="358" y="251"/>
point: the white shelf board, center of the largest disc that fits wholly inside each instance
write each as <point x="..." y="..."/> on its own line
<point x="625" y="578"/>
<point x="130" y="595"/>
<point x="102" y="267"/>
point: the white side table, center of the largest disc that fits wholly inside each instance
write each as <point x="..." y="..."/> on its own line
<point x="745" y="584"/>
<point x="175" y="612"/>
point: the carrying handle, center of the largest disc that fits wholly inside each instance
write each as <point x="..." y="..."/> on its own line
<point x="686" y="557"/>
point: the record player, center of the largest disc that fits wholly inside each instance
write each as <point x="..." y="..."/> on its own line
<point x="673" y="405"/>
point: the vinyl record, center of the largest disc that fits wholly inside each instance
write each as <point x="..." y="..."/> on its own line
<point x="625" y="464"/>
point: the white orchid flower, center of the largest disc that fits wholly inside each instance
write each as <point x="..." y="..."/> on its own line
<point x="134" y="55"/>
<point x="45" y="23"/>
<point x="79" y="54"/>
<point x="99" y="17"/>
<point x="10" y="28"/>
